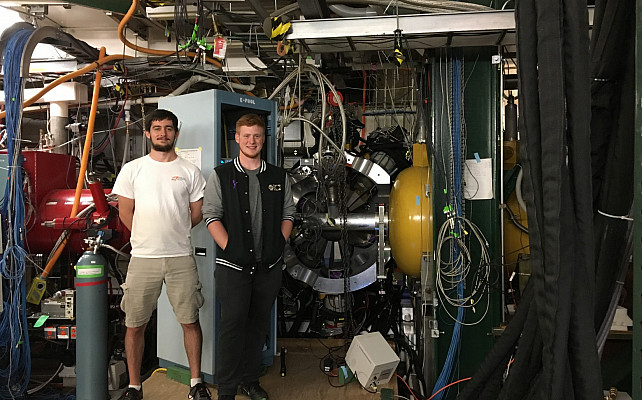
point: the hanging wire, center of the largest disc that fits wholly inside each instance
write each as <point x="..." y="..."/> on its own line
<point x="15" y="357"/>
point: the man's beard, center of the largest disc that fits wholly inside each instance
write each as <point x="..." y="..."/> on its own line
<point x="163" y="148"/>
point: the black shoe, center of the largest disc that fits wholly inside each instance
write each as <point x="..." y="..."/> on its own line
<point x="254" y="391"/>
<point x="132" y="394"/>
<point x="199" y="392"/>
<point x="226" y="397"/>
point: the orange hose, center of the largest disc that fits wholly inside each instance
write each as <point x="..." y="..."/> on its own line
<point x="447" y="386"/>
<point x="121" y="36"/>
<point x="281" y="48"/>
<point x="83" y="163"/>
<point x="90" y="133"/>
<point x="54" y="258"/>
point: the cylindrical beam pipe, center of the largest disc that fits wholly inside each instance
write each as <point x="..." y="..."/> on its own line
<point x="98" y="193"/>
<point x="59" y="118"/>
<point x="354" y="222"/>
<point x="350" y="12"/>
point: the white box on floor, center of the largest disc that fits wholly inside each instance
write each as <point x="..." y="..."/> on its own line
<point x="371" y="359"/>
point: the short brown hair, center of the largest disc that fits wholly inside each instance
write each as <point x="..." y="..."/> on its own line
<point x="159" y="115"/>
<point x="250" y="120"/>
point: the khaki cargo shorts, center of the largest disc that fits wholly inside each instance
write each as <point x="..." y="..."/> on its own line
<point x="142" y="287"/>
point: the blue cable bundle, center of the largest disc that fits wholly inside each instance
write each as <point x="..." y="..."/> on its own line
<point x="456" y="200"/>
<point x="15" y="357"/>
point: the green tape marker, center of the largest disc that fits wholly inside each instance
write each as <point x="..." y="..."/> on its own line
<point x="40" y="321"/>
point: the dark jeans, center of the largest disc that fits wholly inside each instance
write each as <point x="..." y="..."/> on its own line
<point x="246" y="301"/>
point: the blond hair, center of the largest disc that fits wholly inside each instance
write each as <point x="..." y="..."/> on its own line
<point x="250" y="120"/>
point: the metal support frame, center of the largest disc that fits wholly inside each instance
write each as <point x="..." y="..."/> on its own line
<point x="500" y="168"/>
<point x="381" y="245"/>
<point x="465" y="22"/>
<point x="314" y="8"/>
<point x="119" y="6"/>
<point x="636" y="370"/>
<point x="258" y="8"/>
<point x="480" y="28"/>
<point x="139" y="26"/>
<point x="430" y="329"/>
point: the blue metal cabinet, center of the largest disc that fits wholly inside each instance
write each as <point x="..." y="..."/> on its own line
<point x="207" y="124"/>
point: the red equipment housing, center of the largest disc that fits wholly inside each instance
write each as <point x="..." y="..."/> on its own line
<point x="49" y="198"/>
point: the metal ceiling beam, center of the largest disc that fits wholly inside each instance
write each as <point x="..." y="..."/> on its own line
<point x="314" y="8"/>
<point x="409" y="25"/>
<point x="116" y="9"/>
<point x="118" y="6"/>
<point x="464" y="22"/>
<point x="137" y="25"/>
<point x="258" y="8"/>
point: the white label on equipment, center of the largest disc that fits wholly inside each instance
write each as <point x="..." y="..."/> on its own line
<point x="90" y="271"/>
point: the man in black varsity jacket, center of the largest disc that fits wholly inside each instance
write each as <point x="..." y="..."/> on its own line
<point x="248" y="209"/>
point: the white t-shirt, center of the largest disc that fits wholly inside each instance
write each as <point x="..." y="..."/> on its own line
<point x="162" y="192"/>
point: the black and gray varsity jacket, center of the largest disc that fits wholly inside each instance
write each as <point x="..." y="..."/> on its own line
<point x="234" y="212"/>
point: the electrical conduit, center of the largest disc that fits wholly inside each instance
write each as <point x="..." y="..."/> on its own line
<point x="15" y="367"/>
<point x="121" y="36"/>
<point x="196" y="79"/>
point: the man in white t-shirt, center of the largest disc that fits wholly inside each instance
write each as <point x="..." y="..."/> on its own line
<point x="159" y="199"/>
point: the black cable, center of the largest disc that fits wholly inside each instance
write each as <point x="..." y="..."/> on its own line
<point x="556" y="354"/>
<point x="513" y="219"/>
<point x="612" y="121"/>
<point x="256" y="67"/>
<point x="504" y="346"/>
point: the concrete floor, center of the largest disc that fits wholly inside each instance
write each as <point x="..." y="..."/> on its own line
<point x="304" y="379"/>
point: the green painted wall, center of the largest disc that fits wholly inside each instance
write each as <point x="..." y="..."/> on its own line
<point x="481" y="110"/>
